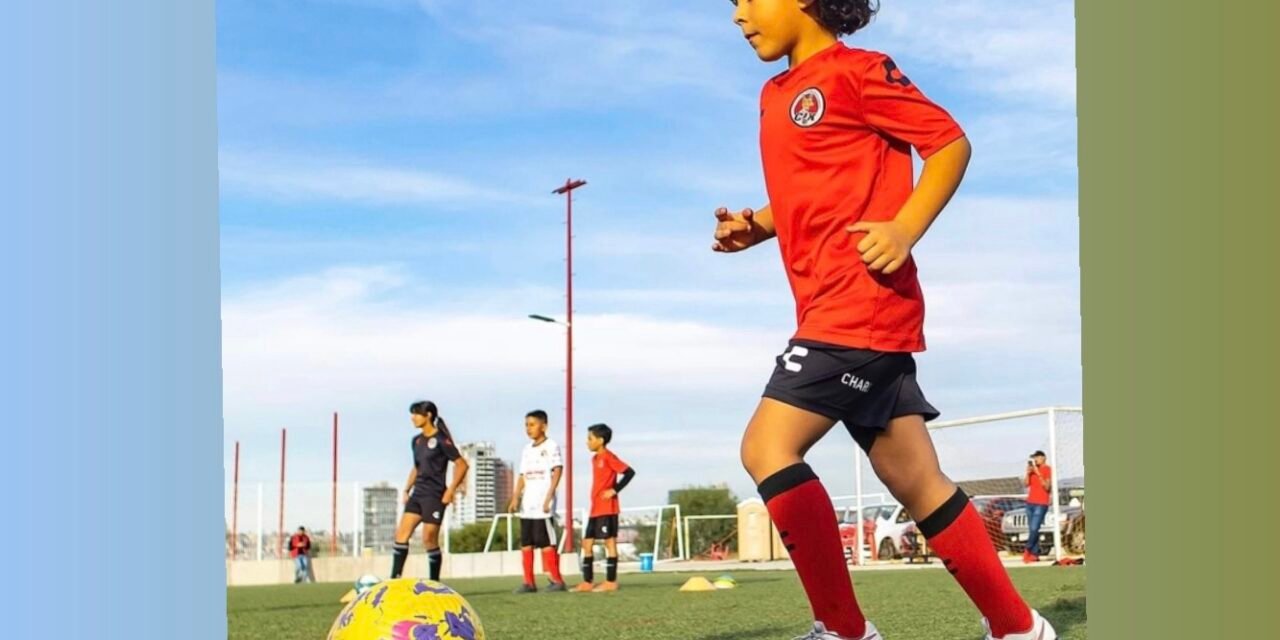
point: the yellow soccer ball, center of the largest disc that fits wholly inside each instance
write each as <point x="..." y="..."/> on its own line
<point x="408" y="609"/>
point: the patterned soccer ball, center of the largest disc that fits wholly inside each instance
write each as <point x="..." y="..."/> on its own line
<point x="408" y="609"/>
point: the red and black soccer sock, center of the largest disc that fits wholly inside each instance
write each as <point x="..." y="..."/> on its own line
<point x="551" y="564"/>
<point x="435" y="559"/>
<point x="959" y="538"/>
<point x="611" y="568"/>
<point x="588" y="568"/>
<point x="399" y="553"/>
<point x="806" y="521"/>
<point x="526" y="558"/>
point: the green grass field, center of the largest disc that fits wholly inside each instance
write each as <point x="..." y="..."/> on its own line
<point x="905" y="605"/>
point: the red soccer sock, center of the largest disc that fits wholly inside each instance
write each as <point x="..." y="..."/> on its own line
<point x="959" y="537"/>
<point x="551" y="564"/>
<point x="526" y="556"/>
<point x="806" y="521"/>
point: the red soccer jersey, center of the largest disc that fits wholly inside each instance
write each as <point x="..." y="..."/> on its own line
<point x="605" y="467"/>
<point x="836" y="134"/>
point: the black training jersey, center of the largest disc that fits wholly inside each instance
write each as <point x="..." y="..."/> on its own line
<point x="431" y="457"/>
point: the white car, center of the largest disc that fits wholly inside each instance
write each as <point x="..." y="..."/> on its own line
<point x="890" y="522"/>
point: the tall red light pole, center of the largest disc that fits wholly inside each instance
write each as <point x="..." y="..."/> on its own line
<point x="567" y="191"/>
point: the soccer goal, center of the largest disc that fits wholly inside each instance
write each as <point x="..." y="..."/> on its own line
<point x="987" y="456"/>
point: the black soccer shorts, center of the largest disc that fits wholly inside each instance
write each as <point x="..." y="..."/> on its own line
<point x="428" y="506"/>
<point x="602" y="527"/>
<point x="863" y="389"/>
<point x="538" y="533"/>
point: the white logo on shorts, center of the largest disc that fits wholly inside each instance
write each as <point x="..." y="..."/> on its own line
<point x="796" y="351"/>
<point x="855" y="383"/>
<point x="604" y="529"/>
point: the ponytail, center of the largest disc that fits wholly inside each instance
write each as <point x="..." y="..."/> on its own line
<point x="444" y="428"/>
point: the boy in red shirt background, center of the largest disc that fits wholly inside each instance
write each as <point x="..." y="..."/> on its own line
<point x="603" y="522"/>
<point x="837" y="129"/>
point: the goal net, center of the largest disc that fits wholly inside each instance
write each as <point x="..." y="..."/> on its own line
<point x="988" y="457"/>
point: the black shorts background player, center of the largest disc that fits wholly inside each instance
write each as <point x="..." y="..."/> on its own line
<point x="603" y="522"/>
<point x="426" y="494"/>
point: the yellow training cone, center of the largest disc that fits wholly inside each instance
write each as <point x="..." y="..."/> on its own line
<point x="698" y="584"/>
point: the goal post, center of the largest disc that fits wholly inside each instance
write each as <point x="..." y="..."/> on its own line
<point x="987" y="456"/>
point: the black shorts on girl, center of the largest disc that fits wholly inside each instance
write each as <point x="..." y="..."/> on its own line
<point x="428" y="506"/>
<point x="861" y="388"/>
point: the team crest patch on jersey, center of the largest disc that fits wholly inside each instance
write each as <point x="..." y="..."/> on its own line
<point x="431" y="444"/>
<point x="808" y="107"/>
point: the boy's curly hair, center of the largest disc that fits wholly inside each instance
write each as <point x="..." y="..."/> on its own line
<point x="844" y="17"/>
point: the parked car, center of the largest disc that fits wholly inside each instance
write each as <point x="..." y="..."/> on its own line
<point x="886" y="526"/>
<point x="993" y="510"/>
<point x="1071" y="506"/>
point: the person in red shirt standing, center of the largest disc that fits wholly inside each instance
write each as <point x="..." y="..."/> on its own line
<point x="300" y="549"/>
<point x="1038" y="480"/>
<point x="603" y="523"/>
<point x="837" y="130"/>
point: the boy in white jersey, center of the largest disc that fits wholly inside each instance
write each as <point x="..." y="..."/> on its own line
<point x="535" y="498"/>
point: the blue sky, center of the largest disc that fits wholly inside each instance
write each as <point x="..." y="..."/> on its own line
<point x="387" y="224"/>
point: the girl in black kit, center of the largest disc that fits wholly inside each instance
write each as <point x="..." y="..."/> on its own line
<point x="425" y="494"/>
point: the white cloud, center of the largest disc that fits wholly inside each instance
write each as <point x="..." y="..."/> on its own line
<point x="1023" y="51"/>
<point x="293" y="178"/>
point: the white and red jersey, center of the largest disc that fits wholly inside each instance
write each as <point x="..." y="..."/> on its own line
<point x="536" y="465"/>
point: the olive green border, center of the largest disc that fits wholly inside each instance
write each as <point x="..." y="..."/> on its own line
<point x="1178" y="207"/>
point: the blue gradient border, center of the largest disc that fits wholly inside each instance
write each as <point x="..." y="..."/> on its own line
<point x="110" y="347"/>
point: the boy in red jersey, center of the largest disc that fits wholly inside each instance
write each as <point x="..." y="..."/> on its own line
<point x="836" y="133"/>
<point x="603" y="523"/>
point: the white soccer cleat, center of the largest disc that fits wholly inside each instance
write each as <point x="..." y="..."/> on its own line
<point x="1040" y="630"/>
<point x="820" y="632"/>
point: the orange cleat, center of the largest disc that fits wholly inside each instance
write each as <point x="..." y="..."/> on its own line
<point x="606" y="587"/>
<point x="585" y="587"/>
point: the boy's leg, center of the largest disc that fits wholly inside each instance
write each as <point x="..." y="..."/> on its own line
<point x="548" y="541"/>
<point x="773" y="449"/>
<point x="588" y="564"/>
<point x="611" y="559"/>
<point x="904" y="459"/>
<point x="527" y="528"/>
